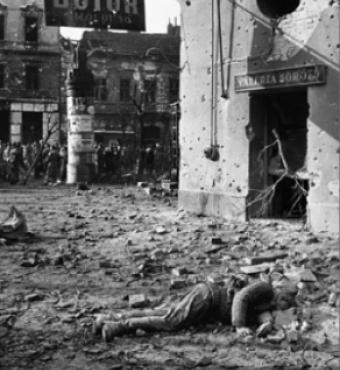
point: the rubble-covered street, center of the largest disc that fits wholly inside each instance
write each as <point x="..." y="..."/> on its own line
<point x="94" y="249"/>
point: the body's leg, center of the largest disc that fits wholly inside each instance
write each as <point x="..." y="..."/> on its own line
<point x="192" y="309"/>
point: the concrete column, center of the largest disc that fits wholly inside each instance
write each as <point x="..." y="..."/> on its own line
<point x="80" y="117"/>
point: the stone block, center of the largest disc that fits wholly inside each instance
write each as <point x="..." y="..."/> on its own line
<point x="178" y="271"/>
<point x="256" y="269"/>
<point x="177" y="283"/>
<point x="268" y="257"/>
<point x="138" y="301"/>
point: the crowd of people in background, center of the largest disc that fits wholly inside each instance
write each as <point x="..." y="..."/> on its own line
<point x="41" y="161"/>
<point x="48" y="162"/>
<point x="114" y="160"/>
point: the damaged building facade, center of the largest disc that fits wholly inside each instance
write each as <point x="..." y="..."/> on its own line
<point x="259" y="110"/>
<point x="136" y="77"/>
<point x="30" y="72"/>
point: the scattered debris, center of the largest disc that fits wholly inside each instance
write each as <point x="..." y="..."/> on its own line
<point x="161" y="230"/>
<point x="256" y="269"/>
<point x="177" y="283"/>
<point x="270" y="257"/>
<point x="216" y="241"/>
<point x="307" y="276"/>
<point x="179" y="271"/>
<point x="34" y="297"/>
<point x="332" y="299"/>
<point x="14" y="227"/>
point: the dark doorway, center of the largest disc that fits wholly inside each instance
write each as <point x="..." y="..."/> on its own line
<point x="278" y="180"/>
<point x="151" y="134"/>
<point x="4" y="125"/>
<point x="32" y="127"/>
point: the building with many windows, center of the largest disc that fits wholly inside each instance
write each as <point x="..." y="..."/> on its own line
<point x="136" y="82"/>
<point x="30" y="72"/>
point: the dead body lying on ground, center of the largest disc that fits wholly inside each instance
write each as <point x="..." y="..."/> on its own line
<point x="232" y="302"/>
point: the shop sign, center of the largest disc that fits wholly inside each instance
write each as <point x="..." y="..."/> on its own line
<point x="106" y="14"/>
<point x="300" y="76"/>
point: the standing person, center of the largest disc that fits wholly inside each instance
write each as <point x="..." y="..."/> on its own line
<point x="37" y="159"/>
<point x="27" y="153"/>
<point x="5" y="157"/>
<point x="63" y="163"/>
<point x="45" y="153"/>
<point x="158" y="160"/>
<point x="15" y="163"/>
<point x="116" y="151"/>
<point x="149" y="160"/>
<point x="109" y="162"/>
<point x="100" y="160"/>
<point x="2" y="162"/>
<point x="52" y="165"/>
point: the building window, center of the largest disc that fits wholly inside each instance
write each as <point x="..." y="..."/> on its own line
<point x="31" y="29"/>
<point x="32" y="77"/>
<point x="124" y="90"/>
<point x="2" y="27"/>
<point x="100" y="89"/>
<point x="2" y="76"/>
<point x="173" y="89"/>
<point x="150" y="91"/>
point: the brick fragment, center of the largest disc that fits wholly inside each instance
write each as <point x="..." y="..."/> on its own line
<point x="138" y="301"/>
<point x="269" y="257"/>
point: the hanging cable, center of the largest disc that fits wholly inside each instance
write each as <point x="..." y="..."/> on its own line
<point x="224" y="92"/>
<point x="212" y="152"/>
<point x="212" y="115"/>
<point x="231" y="46"/>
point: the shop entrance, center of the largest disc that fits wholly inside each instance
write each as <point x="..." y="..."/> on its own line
<point x="277" y="131"/>
<point x="32" y="127"/>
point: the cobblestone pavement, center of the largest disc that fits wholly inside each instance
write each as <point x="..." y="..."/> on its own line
<point x="93" y="249"/>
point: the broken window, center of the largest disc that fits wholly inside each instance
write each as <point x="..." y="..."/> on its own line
<point x="124" y="91"/>
<point x="32" y="77"/>
<point x="277" y="8"/>
<point x="31" y="29"/>
<point x="100" y="89"/>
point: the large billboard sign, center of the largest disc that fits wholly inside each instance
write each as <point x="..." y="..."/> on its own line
<point x="106" y="14"/>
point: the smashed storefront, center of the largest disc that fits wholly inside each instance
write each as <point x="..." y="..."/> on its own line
<point x="259" y="100"/>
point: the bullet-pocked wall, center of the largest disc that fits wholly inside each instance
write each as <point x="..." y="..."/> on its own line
<point x="296" y="43"/>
